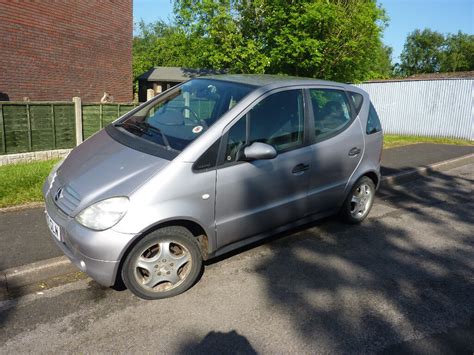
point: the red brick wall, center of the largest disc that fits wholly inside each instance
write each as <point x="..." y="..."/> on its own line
<point x="57" y="49"/>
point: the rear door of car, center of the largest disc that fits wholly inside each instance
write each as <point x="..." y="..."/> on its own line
<point x="338" y="146"/>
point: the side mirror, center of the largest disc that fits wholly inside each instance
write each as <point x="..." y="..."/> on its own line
<point x="259" y="151"/>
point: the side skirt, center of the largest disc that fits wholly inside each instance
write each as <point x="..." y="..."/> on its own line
<point x="241" y="243"/>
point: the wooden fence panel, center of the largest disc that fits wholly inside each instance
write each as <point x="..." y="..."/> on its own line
<point x="123" y="109"/>
<point x="2" y="133"/>
<point x="42" y="135"/>
<point x="37" y="126"/>
<point x="109" y="113"/>
<point x="16" y="128"/>
<point x="65" y="129"/>
<point x="91" y="119"/>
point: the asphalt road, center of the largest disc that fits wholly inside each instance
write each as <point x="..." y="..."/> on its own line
<point x="25" y="237"/>
<point x="403" y="281"/>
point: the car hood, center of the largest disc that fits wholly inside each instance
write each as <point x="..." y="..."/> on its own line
<point x="98" y="169"/>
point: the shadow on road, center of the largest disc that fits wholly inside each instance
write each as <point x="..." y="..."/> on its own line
<point x="456" y="341"/>
<point x="219" y="343"/>
<point x="363" y="288"/>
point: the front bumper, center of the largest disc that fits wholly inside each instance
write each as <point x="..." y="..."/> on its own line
<point x="97" y="253"/>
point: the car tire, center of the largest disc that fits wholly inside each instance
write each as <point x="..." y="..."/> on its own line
<point x="359" y="201"/>
<point x="163" y="264"/>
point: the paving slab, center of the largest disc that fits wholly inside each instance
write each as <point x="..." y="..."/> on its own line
<point x="396" y="160"/>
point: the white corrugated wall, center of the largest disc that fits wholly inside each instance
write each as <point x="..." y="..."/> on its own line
<point x="437" y="108"/>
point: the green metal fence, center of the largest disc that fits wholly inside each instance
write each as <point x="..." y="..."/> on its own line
<point x="35" y="126"/>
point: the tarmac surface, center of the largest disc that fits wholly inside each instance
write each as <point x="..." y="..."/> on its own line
<point x="27" y="239"/>
<point x="401" y="282"/>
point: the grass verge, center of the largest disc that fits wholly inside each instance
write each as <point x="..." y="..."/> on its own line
<point x="21" y="183"/>
<point x="391" y="141"/>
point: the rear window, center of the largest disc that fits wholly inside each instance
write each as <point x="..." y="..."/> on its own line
<point x="357" y="100"/>
<point x="373" y="121"/>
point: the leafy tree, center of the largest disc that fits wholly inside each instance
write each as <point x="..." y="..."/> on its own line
<point x="336" y="39"/>
<point x="382" y="67"/>
<point x="422" y="52"/>
<point x="223" y="40"/>
<point x="428" y="51"/>
<point x="458" y="53"/>
<point x="329" y="39"/>
<point x="161" y="44"/>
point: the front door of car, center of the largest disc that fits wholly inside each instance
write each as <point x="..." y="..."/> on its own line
<point x="338" y="148"/>
<point x="253" y="197"/>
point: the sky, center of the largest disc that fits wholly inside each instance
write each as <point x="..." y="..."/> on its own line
<point x="445" y="16"/>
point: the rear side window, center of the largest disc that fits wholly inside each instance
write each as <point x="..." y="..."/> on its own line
<point x="373" y="121"/>
<point x="331" y="111"/>
<point x="357" y="100"/>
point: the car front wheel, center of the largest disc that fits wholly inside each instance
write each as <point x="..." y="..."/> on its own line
<point x="163" y="264"/>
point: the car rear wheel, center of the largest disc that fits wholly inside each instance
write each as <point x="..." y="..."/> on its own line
<point x="359" y="201"/>
<point x="163" y="264"/>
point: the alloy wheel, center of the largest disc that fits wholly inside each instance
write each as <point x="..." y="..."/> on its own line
<point x="162" y="266"/>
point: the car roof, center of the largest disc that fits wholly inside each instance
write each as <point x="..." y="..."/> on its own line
<point x="259" y="80"/>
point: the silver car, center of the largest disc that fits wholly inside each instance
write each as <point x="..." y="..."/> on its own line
<point x="207" y="167"/>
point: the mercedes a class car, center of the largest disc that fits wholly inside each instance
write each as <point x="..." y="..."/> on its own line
<point x="209" y="166"/>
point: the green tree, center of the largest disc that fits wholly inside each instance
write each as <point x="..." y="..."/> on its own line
<point x="161" y="44"/>
<point x="337" y="39"/>
<point x="422" y="52"/>
<point x="458" y="53"/>
<point x="382" y="67"/>
<point x="224" y="43"/>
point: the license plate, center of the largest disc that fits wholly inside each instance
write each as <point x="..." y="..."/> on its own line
<point x="53" y="227"/>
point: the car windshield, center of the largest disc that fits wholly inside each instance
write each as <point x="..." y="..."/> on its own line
<point x="177" y="118"/>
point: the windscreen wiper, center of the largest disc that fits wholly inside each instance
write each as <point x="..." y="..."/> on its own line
<point x="145" y="127"/>
<point x="149" y="127"/>
<point x="132" y="125"/>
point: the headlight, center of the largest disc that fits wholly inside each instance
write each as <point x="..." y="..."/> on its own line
<point x="103" y="214"/>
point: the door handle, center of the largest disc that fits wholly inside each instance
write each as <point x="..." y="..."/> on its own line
<point x="354" y="151"/>
<point x="300" y="168"/>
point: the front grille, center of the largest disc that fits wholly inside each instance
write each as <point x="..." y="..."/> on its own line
<point x="68" y="200"/>
<point x="53" y="209"/>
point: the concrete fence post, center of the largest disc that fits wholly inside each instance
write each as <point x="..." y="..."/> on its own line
<point x="78" y="119"/>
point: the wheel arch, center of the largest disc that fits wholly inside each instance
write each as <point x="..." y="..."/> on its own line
<point x="372" y="175"/>
<point x="195" y="228"/>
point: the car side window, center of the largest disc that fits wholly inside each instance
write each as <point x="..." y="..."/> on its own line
<point x="357" y="100"/>
<point x="209" y="158"/>
<point x="277" y="120"/>
<point x="331" y="112"/>
<point x="236" y="139"/>
<point x="373" y="121"/>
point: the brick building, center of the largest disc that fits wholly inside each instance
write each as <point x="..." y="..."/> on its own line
<point x="54" y="50"/>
